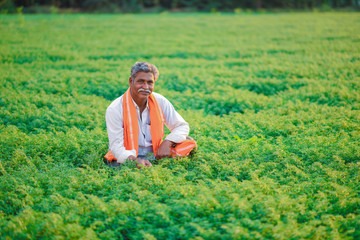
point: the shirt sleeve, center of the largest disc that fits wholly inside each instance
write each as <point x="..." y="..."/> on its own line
<point x="115" y="130"/>
<point x="177" y="125"/>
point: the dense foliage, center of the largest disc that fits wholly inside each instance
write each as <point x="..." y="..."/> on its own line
<point x="272" y="100"/>
<point x="38" y="6"/>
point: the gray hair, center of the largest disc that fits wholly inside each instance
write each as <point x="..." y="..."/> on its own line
<point x="144" y="67"/>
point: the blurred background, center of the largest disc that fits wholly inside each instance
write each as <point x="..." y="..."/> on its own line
<point x="118" y="6"/>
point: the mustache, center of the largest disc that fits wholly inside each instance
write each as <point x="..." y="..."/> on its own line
<point x="144" y="90"/>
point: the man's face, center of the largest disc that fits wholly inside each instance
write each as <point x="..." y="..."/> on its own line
<point x="142" y="86"/>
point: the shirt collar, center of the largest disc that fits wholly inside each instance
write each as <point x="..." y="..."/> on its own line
<point x="137" y="107"/>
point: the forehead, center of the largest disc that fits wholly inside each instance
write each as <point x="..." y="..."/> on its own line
<point x="144" y="76"/>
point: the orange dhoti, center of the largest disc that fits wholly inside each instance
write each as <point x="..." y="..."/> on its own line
<point x="182" y="149"/>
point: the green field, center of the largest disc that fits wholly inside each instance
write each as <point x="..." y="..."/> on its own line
<point x="273" y="101"/>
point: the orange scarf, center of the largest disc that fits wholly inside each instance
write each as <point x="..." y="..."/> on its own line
<point x="131" y="125"/>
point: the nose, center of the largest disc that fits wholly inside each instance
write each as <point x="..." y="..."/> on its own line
<point x="145" y="85"/>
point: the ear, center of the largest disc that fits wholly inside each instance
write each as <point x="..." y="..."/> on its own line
<point x="130" y="81"/>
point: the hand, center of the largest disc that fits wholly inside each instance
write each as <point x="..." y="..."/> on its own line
<point x="140" y="162"/>
<point x="164" y="149"/>
<point x="143" y="162"/>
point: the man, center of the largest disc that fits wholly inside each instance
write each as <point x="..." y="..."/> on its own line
<point x="135" y="122"/>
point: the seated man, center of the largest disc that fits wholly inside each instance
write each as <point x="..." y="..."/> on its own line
<point x="135" y="122"/>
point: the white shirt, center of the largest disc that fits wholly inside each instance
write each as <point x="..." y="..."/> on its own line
<point x="115" y="127"/>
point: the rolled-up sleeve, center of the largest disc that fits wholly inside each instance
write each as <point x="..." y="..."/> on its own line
<point x="115" y="130"/>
